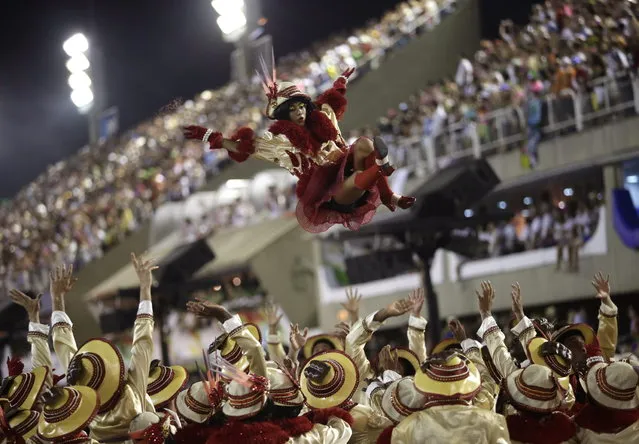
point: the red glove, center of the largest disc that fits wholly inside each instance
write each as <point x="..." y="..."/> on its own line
<point x="349" y="72"/>
<point x="195" y="132"/>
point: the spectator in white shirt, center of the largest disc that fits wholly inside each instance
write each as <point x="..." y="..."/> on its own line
<point x="464" y="75"/>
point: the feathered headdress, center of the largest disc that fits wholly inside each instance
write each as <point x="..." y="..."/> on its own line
<point x="277" y="93"/>
<point x="225" y="369"/>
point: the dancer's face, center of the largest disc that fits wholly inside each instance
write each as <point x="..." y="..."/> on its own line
<point x="297" y="113"/>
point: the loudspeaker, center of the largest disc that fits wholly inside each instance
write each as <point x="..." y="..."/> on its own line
<point x="183" y="262"/>
<point x="449" y="192"/>
<point x="379" y="265"/>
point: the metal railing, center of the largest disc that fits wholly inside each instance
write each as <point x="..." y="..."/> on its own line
<point x="506" y="129"/>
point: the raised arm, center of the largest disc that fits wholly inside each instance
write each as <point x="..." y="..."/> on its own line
<point x="335" y="97"/>
<point x="417" y="325"/>
<point x="240" y="146"/>
<point x="61" y="282"/>
<point x="607" y="332"/>
<point x="142" y="348"/>
<point x="273" y="343"/>
<point x="38" y="335"/>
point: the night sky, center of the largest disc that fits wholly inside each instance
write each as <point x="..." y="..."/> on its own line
<point x="155" y="51"/>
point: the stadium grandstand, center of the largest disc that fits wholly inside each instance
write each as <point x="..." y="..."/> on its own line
<point x="522" y="154"/>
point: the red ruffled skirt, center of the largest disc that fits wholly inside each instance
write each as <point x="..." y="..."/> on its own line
<point x="315" y="210"/>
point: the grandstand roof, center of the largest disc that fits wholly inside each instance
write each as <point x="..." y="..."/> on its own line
<point x="233" y="248"/>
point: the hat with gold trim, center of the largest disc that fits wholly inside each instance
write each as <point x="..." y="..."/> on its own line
<point x="613" y="385"/>
<point x="446" y="344"/>
<point x="245" y="398"/>
<point x="229" y="350"/>
<point x="98" y="364"/>
<point x="331" y="340"/>
<point x="255" y="330"/>
<point x="285" y="390"/>
<point x="448" y="376"/>
<point x="534" y="389"/>
<point x="165" y="383"/>
<point x="583" y="330"/>
<point x="401" y="400"/>
<point x="67" y="411"/>
<point x="329" y="379"/>
<point x="17" y="424"/>
<point x="560" y="365"/>
<point x="407" y="355"/>
<point x="23" y="390"/>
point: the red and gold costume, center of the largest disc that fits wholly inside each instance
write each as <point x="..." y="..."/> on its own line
<point x="317" y="154"/>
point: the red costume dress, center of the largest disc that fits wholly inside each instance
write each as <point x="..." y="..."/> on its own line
<point x="317" y="154"/>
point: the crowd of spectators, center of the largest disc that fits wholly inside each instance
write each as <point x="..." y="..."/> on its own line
<point x="82" y="206"/>
<point x="565" y="47"/>
<point x="565" y="224"/>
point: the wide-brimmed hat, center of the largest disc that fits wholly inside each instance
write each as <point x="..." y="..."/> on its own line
<point x="329" y="379"/>
<point x="23" y="424"/>
<point x="408" y="356"/>
<point x="448" y="377"/>
<point x="254" y="329"/>
<point x="613" y="385"/>
<point x="446" y="344"/>
<point x="165" y="383"/>
<point x="193" y="404"/>
<point x="245" y="400"/>
<point x="560" y="366"/>
<point x="401" y="400"/>
<point x="23" y="390"/>
<point x="284" y="388"/>
<point x="102" y="369"/>
<point x="284" y="91"/>
<point x="584" y="330"/>
<point x="68" y="412"/>
<point x="534" y="389"/>
<point x="229" y="350"/>
<point x="335" y="341"/>
<point x="152" y="427"/>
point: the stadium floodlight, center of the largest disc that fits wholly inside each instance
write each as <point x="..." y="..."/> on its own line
<point x="231" y="23"/>
<point x="82" y="98"/>
<point x="78" y="63"/>
<point x="228" y="7"/>
<point x="76" y="44"/>
<point x="80" y="79"/>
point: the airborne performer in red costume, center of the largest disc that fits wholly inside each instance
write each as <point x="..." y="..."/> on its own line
<point x="338" y="184"/>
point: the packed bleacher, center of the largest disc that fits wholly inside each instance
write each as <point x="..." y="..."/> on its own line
<point x="81" y="207"/>
<point x="572" y="59"/>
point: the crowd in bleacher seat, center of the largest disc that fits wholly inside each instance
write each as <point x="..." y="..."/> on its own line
<point x="565" y="225"/>
<point x="83" y="206"/>
<point x="567" y="46"/>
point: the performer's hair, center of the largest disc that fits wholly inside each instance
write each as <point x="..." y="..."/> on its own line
<point x="285" y="412"/>
<point x="325" y="342"/>
<point x="282" y="112"/>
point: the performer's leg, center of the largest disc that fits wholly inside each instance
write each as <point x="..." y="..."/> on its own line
<point x="388" y="197"/>
<point x="362" y="149"/>
<point x="354" y="187"/>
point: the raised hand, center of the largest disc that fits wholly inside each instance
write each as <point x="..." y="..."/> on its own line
<point x="458" y="330"/>
<point x="31" y="306"/>
<point x="602" y="285"/>
<point x="351" y="305"/>
<point x="342" y="330"/>
<point x="273" y="316"/>
<point x="297" y="339"/>
<point x="485" y="298"/>
<point x="194" y="132"/>
<point x="416" y="298"/>
<point x="208" y="309"/>
<point x="61" y="281"/>
<point x="348" y="72"/>
<point x="144" y="268"/>
<point x="388" y="359"/>
<point x="517" y="305"/>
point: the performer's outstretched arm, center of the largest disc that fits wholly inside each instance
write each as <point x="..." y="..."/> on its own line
<point x="335" y="97"/>
<point x="142" y="347"/>
<point x="64" y="345"/>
